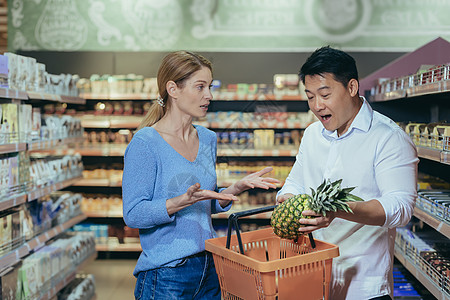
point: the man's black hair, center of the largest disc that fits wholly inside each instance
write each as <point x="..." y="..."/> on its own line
<point x="330" y="60"/>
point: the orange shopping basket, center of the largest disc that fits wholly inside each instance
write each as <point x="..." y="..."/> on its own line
<point x="260" y="265"/>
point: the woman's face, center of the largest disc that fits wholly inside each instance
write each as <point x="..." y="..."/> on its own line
<point x="194" y="97"/>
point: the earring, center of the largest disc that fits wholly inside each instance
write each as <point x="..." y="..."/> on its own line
<point x="160" y="101"/>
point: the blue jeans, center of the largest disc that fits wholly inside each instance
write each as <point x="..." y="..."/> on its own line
<point x="193" y="278"/>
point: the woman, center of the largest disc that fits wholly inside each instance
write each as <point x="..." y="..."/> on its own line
<point x="169" y="185"/>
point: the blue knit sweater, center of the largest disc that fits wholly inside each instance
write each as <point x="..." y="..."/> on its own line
<point x="154" y="172"/>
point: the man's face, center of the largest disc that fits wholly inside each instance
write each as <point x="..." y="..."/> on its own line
<point x="333" y="104"/>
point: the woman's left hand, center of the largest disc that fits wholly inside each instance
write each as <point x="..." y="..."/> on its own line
<point x="255" y="180"/>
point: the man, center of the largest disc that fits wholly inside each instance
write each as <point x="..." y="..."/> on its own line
<point x="368" y="151"/>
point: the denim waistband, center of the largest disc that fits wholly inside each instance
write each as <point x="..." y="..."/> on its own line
<point x="199" y="254"/>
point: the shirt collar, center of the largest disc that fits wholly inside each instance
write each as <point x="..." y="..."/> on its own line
<point x="362" y="121"/>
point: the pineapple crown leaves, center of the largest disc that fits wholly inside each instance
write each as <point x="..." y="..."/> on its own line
<point x="331" y="197"/>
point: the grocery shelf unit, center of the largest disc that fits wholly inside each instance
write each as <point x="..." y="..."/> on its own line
<point x="26" y="193"/>
<point x="114" y="152"/>
<point x="426" y="103"/>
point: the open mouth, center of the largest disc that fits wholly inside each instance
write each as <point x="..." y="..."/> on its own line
<point x="325" y="117"/>
<point x="204" y="106"/>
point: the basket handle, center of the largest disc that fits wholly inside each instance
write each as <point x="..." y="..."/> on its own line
<point x="233" y="221"/>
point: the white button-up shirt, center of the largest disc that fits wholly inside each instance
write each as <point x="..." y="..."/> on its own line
<point x="378" y="158"/>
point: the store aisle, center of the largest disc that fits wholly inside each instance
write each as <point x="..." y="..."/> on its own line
<point x="113" y="278"/>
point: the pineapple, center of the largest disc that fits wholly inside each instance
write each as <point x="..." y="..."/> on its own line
<point x="329" y="197"/>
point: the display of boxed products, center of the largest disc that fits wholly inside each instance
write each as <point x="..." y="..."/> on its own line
<point x="430" y="135"/>
<point x="119" y="85"/>
<point x="9" y="283"/>
<point x="81" y="288"/>
<point x="435" y="202"/>
<point x="4" y="72"/>
<point x="26" y="74"/>
<point x="10" y="123"/>
<point x="25" y="122"/>
<point x="45" y="268"/>
<point x="52" y="169"/>
<point x="12" y="182"/>
<point x="425" y="75"/>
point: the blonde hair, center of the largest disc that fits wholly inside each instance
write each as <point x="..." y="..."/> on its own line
<point x="178" y="67"/>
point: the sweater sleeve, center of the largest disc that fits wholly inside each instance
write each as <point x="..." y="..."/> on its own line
<point x="140" y="208"/>
<point x="215" y="205"/>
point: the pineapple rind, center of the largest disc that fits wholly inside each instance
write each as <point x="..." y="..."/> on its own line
<point x="328" y="197"/>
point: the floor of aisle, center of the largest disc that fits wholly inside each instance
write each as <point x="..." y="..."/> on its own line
<point x="114" y="278"/>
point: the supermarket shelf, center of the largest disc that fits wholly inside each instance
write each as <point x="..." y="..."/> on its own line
<point x="13" y="94"/>
<point x="59" y="286"/>
<point x="433" y="154"/>
<point x="38" y="145"/>
<point x="67" y="279"/>
<point x="103" y="150"/>
<point x="50" y="144"/>
<point x="51" y="188"/>
<point x="93" y="121"/>
<point x="145" y="96"/>
<point x="13" y="201"/>
<point x="11" y="148"/>
<point x="256" y="152"/>
<point x="55" y="98"/>
<point x="131" y="247"/>
<point x="131" y="122"/>
<point x="104" y="214"/>
<point x="438" y="225"/>
<point x="135" y="96"/>
<point x="119" y="150"/>
<point x="72" y="99"/>
<point x="421" y="276"/>
<point x="421" y="90"/>
<point x="15" y="256"/>
<point x="238" y="208"/>
<point x="274" y="124"/>
<point x="106" y="182"/>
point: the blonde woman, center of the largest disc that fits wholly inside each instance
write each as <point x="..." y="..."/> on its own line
<point x="170" y="185"/>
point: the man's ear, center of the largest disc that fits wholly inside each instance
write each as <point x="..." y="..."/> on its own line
<point x="353" y="87"/>
<point x="172" y="89"/>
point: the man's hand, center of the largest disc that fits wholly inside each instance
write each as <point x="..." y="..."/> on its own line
<point x="316" y="222"/>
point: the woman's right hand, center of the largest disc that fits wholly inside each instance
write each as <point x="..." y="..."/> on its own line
<point x="284" y="197"/>
<point x="193" y="195"/>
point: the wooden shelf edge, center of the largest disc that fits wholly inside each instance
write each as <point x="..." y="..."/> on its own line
<point x="44" y="145"/>
<point x="98" y="182"/>
<point x="413" y="92"/>
<point x="118" y="248"/>
<point x="13" y="94"/>
<point x="439" y="225"/>
<point x="16" y="255"/>
<point x="12" y="148"/>
<point x="107" y="214"/>
<point x="32" y="195"/>
<point x="428" y="153"/>
<point x="13" y="201"/>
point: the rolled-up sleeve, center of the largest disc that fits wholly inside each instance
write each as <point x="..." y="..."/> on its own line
<point x="396" y="176"/>
<point x="140" y="208"/>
